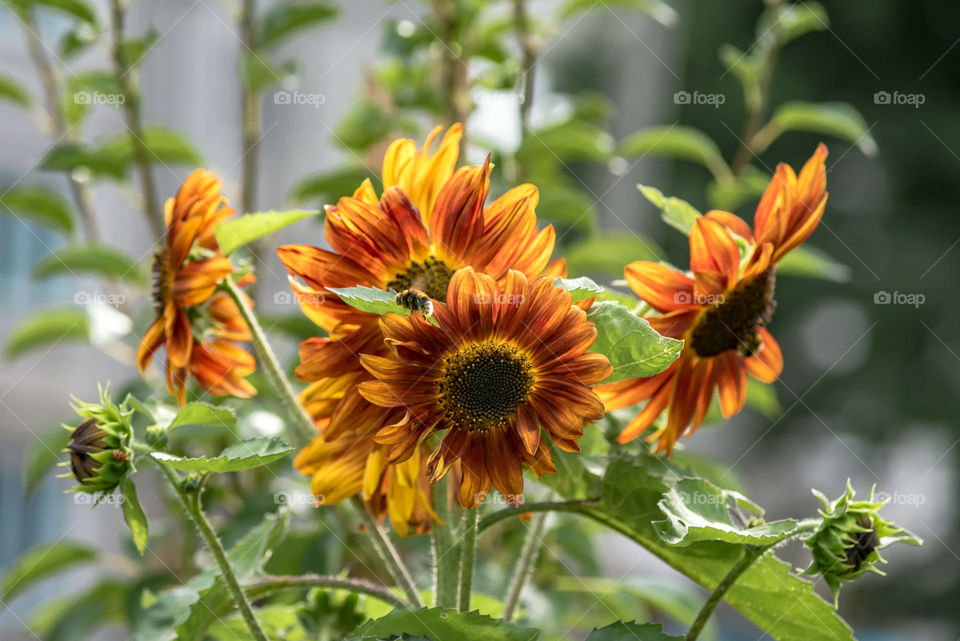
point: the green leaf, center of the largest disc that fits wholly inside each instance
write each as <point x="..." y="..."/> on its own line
<point x="204" y="415"/>
<point x="239" y="231"/>
<point x="133" y="515"/>
<point x="632" y="489"/>
<point x="77" y="40"/>
<point x="114" y="157"/>
<point x="258" y="74"/>
<point x="39" y="205"/>
<point x="605" y="254"/>
<point x="632" y="346"/>
<point x="88" y="89"/>
<point x="567" y="141"/>
<point x="565" y="206"/>
<point x="369" y="299"/>
<point x="747" y="67"/>
<point x="79" y="9"/>
<point x="791" y="21"/>
<point x="71" y="157"/>
<point x="40" y="562"/>
<point x="136" y="49"/>
<point x="365" y="125"/>
<point x="76" y="617"/>
<point x="811" y="262"/>
<point x="48" y="327"/>
<point x="42" y="456"/>
<point x="96" y="260"/>
<point x="836" y="119"/>
<point x="438" y="624"/>
<point x="675" y="212"/>
<point x="696" y="510"/>
<point x="683" y="143"/>
<point x="580" y="288"/>
<point x="728" y="195"/>
<point x="621" y="631"/>
<point x="330" y="186"/>
<point x="240" y="456"/>
<point x="13" y="91"/>
<point x="286" y="18"/>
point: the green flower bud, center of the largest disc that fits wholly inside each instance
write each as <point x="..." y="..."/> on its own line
<point x="99" y="448"/>
<point x="849" y="539"/>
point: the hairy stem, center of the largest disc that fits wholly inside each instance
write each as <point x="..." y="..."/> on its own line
<point x="191" y="503"/>
<point x="131" y="115"/>
<point x="270" y="584"/>
<point x="467" y="554"/>
<point x="446" y="556"/>
<point x="525" y="564"/>
<point x="388" y="553"/>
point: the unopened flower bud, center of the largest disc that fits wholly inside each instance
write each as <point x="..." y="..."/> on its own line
<point x="99" y="448"/>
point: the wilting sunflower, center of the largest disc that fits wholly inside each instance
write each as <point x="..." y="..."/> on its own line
<point x="504" y="361"/>
<point x="429" y="222"/>
<point x="721" y="308"/>
<point x="198" y="326"/>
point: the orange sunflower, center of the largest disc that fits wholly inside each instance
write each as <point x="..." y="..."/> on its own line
<point x="198" y="326"/>
<point x="429" y="222"/>
<point x="720" y="310"/>
<point x="504" y="361"/>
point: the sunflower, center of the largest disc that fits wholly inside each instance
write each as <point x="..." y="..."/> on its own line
<point x="504" y="362"/>
<point x="429" y="222"/>
<point x="720" y="310"/>
<point x="198" y="326"/>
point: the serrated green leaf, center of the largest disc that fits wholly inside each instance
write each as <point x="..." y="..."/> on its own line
<point x="683" y="143"/>
<point x="837" y="119"/>
<point x="133" y="515"/>
<point x="675" y="212"/>
<point x="240" y="456"/>
<point x="239" y="231"/>
<point x="13" y="91"/>
<point x="369" y="299"/>
<point x="438" y="624"/>
<point x="203" y="415"/>
<point x="810" y="262"/>
<point x="40" y="562"/>
<point x="39" y="205"/>
<point x="696" y="510"/>
<point x="42" y="456"/>
<point x="606" y="253"/>
<point x="286" y="18"/>
<point x="328" y="187"/>
<point x="48" y="327"/>
<point x="95" y="260"/>
<point x="580" y="288"/>
<point x="632" y="346"/>
<point x="630" y="631"/>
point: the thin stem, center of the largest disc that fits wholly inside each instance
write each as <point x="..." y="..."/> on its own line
<point x="546" y="506"/>
<point x="446" y="557"/>
<point x="467" y="554"/>
<point x="305" y="429"/>
<point x="251" y="129"/>
<point x="388" y="553"/>
<point x="52" y="100"/>
<point x="528" y="60"/>
<point x="525" y="564"/>
<point x="191" y="503"/>
<point x="270" y="584"/>
<point x="131" y="117"/>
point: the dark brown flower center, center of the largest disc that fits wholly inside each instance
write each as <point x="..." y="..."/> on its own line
<point x="482" y="385"/>
<point x="864" y="543"/>
<point x="160" y="289"/>
<point x="430" y="277"/>
<point x="734" y="322"/>
<point x="87" y="439"/>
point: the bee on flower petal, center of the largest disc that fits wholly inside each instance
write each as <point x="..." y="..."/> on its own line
<point x="415" y="301"/>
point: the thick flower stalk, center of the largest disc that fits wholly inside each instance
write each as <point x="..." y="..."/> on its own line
<point x="720" y="308"/>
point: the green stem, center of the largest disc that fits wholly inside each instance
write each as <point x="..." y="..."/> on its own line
<point x="270" y="584"/>
<point x="446" y="559"/>
<point x="305" y="429"/>
<point x="546" y="506"/>
<point x="525" y="564"/>
<point x="388" y="553"/>
<point x="467" y="554"/>
<point x="191" y="503"/>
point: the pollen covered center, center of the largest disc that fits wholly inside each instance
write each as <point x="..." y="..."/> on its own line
<point x="482" y="385"/>
<point x="430" y="277"/>
<point x="735" y="322"/>
<point x="160" y="290"/>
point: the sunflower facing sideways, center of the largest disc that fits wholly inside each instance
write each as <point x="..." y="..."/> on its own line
<point x="504" y="361"/>
<point x="199" y="327"/>
<point x="722" y="309"/>
<point x="429" y="222"/>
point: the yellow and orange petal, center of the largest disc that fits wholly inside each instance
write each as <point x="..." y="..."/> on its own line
<point x="504" y="363"/>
